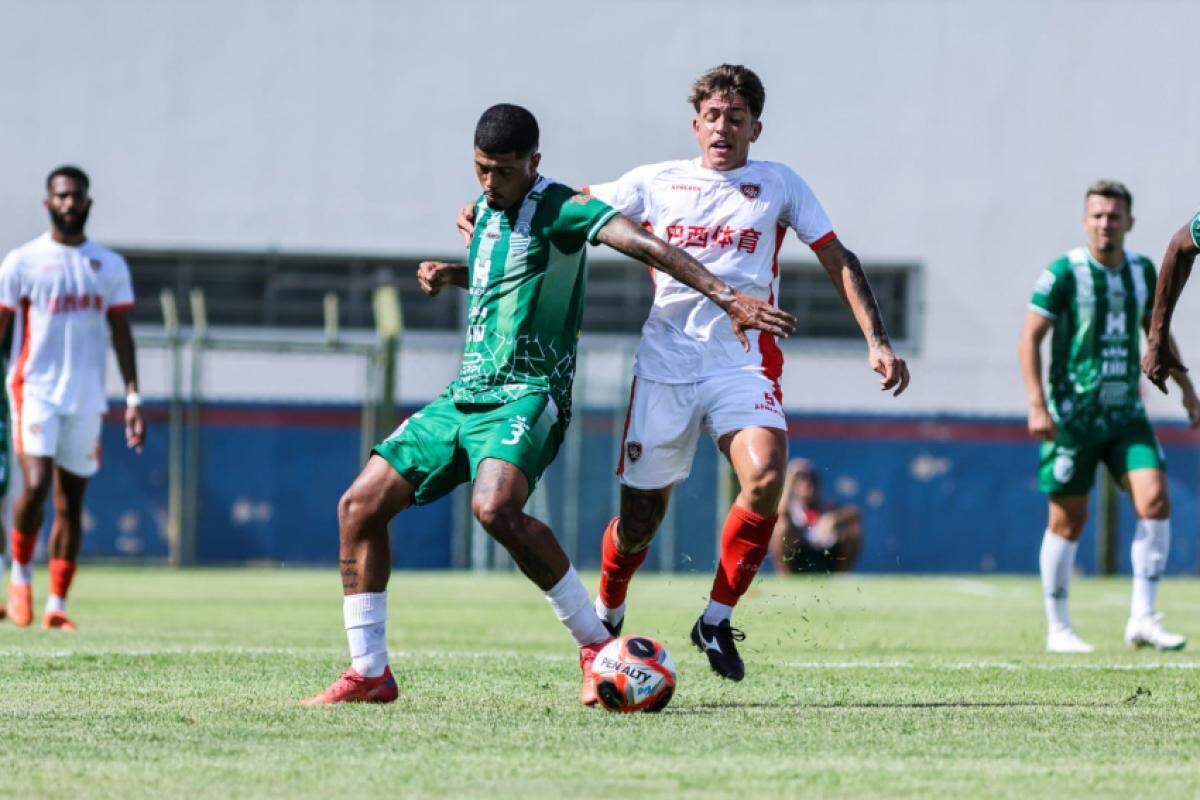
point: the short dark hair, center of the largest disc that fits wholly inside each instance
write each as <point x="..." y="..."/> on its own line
<point x="730" y="79"/>
<point x="68" y="171"/>
<point x="506" y="128"/>
<point x="1112" y="189"/>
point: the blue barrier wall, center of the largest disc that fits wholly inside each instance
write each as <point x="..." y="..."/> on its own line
<point x="944" y="494"/>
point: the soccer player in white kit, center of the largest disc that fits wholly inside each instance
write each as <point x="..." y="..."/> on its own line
<point x="691" y="373"/>
<point x="63" y="293"/>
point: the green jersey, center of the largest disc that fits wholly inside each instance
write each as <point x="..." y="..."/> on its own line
<point x="526" y="281"/>
<point x="1094" y="352"/>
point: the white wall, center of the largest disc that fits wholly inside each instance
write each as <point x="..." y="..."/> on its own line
<point x="959" y="134"/>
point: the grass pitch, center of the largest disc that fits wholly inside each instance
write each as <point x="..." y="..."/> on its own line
<point x="185" y="684"/>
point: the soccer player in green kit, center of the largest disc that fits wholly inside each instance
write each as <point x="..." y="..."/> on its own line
<point x="501" y="422"/>
<point x="1096" y="299"/>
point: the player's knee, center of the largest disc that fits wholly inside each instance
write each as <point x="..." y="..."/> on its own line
<point x="1156" y="505"/>
<point x="763" y="489"/>
<point x="1068" y="526"/>
<point x="38" y="487"/>
<point x="356" y="511"/>
<point x="495" y="514"/>
<point x="635" y="536"/>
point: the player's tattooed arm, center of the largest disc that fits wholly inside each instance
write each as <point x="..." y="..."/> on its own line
<point x="745" y="312"/>
<point x="846" y="273"/>
<point x="433" y="276"/>
<point x="1160" y="360"/>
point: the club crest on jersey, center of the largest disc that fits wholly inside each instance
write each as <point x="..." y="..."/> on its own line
<point x="633" y="450"/>
<point x="95" y="264"/>
<point x="751" y="191"/>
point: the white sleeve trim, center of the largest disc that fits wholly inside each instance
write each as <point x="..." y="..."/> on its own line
<point x="600" y="223"/>
<point x="1041" y="312"/>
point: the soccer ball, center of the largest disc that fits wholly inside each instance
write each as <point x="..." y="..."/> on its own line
<point x="634" y="673"/>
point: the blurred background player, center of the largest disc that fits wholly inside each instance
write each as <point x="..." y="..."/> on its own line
<point x="501" y="422"/>
<point x="691" y="373"/>
<point x="1096" y="299"/>
<point x="1160" y="362"/>
<point x="63" y="293"/>
<point x="811" y="533"/>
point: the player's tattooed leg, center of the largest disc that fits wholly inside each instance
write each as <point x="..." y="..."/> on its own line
<point x="642" y="511"/>
<point x="497" y="500"/>
<point x="365" y="557"/>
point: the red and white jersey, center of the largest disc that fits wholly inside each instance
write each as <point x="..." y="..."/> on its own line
<point x="61" y="297"/>
<point x="732" y="222"/>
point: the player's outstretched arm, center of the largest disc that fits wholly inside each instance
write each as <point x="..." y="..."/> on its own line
<point x="433" y="276"/>
<point x="122" y="338"/>
<point x="465" y="222"/>
<point x="846" y="273"/>
<point x="1160" y="361"/>
<point x="626" y="236"/>
<point x="1029" y="348"/>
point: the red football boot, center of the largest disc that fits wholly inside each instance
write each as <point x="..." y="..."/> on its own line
<point x="20" y="603"/>
<point x="57" y="619"/>
<point x="587" y="654"/>
<point x="354" y="688"/>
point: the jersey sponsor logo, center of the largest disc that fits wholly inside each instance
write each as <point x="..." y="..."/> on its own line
<point x="751" y="191"/>
<point x="518" y="426"/>
<point x="75" y="302"/>
<point x="633" y="450"/>
<point x="684" y="187"/>
<point x="746" y="239"/>
<point x="1114" y="326"/>
<point x="768" y="403"/>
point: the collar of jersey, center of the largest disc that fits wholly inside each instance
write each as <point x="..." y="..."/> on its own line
<point x="728" y="175"/>
<point x="1087" y="252"/>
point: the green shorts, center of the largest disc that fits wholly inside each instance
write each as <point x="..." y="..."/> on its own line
<point x="1068" y="464"/>
<point x="440" y="446"/>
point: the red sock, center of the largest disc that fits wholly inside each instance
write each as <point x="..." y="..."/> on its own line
<point x="61" y="573"/>
<point x="23" y="545"/>
<point x="616" y="569"/>
<point x="744" y="539"/>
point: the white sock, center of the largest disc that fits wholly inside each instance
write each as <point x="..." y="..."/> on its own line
<point x="716" y="612"/>
<point x="365" y="616"/>
<point x="56" y="603"/>
<point x="612" y="616"/>
<point x="1148" y="555"/>
<point x="1056" y="561"/>
<point x="22" y="573"/>
<point x="569" y="599"/>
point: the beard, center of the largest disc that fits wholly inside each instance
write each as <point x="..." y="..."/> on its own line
<point x="70" y="227"/>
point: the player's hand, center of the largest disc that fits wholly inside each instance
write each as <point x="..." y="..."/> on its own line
<point x="135" y="428"/>
<point x="1041" y="424"/>
<point x="433" y="276"/>
<point x="1191" y="404"/>
<point x="1159" y="362"/>
<point x="750" y="313"/>
<point x="891" y="367"/>
<point x="466" y="222"/>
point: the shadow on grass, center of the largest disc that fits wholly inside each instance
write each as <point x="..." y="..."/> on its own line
<point x="710" y="708"/>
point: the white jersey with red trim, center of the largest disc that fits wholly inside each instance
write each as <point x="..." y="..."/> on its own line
<point x="60" y="297"/>
<point x="732" y="222"/>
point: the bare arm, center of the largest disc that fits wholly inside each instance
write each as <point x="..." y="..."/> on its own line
<point x="846" y="274"/>
<point x="122" y="338"/>
<point x="1160" y="361"/>
<point x="6" y="315"/>
<point x="1041" y="424"/>
<point x="625" y="236"/>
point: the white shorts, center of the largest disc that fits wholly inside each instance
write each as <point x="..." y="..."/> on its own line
<point x="72" y="440"/>
<point x="664" y="421"/>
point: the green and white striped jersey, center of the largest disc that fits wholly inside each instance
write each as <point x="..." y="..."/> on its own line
<point x="1096" y="343"/>
<point x="527" y="282"/>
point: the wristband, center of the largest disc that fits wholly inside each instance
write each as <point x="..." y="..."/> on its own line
<point x="133" y="400"/>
